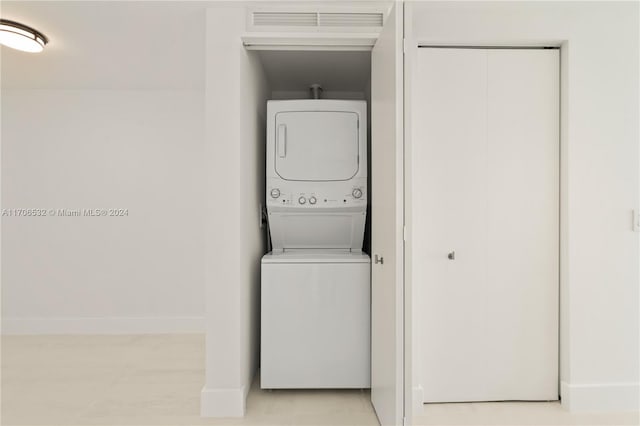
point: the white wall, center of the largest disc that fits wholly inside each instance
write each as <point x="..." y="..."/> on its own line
<point x="599" y="173"/>
<point x="74" y="149"/>
<point x="298" y="94"/>
<point x="236" y="93"/>
<point x="254" y="95"/>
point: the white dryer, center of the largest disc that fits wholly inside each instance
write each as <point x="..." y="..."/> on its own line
<point x="315" y="303"/>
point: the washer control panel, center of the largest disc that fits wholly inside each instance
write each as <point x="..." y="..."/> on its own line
<point x="312" y="195"/>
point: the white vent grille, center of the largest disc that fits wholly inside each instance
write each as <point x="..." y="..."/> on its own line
<point x="285" y="19"/>
<point x="316" y="19"/>
<point x="350" y="19"/>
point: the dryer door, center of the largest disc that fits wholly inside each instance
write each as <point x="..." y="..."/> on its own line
<point x="316" y="145"/>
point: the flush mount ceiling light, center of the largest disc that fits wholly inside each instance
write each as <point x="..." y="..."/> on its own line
<point x="19" y="36"/>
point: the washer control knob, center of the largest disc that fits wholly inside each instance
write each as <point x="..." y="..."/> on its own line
<point x="302" y="200"/>
<point x="312" y="200"/>
<point x="357" y="193"/>
<point x="275" y="193"/>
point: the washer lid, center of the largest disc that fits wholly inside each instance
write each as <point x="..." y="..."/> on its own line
<point x="316" y="145"/>
<point x="312" y="256"/>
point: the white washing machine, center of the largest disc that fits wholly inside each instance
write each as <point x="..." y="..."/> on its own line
<point x="315" y="320"/>
<point x="315" y="295"/>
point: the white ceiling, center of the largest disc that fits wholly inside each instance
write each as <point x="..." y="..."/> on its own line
<point x="107" y="45"/>
<point x="334" y="70"/>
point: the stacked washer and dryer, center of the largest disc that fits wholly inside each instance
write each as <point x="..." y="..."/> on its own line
<point x="315" y="293"/>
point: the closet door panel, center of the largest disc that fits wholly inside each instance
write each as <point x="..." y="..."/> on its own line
<point x="485" y="198"/>
<point x="523" y="221"/>
<point x="450" y="196"/>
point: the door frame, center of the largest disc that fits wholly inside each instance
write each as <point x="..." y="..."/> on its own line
<point x="358" y="42"/>
<point x="413" y="394"/>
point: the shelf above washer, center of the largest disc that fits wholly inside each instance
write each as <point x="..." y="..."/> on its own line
<point x="307" y="41"/>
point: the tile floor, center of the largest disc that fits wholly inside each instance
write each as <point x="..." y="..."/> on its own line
<point x="156" y="380"/>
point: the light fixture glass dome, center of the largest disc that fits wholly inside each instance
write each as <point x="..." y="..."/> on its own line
<point x="21" y="37"/>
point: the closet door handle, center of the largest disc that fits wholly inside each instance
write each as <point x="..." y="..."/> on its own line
<point x="282" y="140"/>
<point x="452" y="255"/>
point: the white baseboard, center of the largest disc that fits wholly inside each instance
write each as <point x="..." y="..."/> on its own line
<point x="223" y="402"/>
<point x="610" y="397"/>
<point x="103" y="325"/>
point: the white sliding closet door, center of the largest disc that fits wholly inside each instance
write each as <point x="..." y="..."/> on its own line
<point x="486" y="222"/>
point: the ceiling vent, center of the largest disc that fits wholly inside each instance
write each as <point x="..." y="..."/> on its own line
<point x="350" y="19"/>
<point x="285" y="19"/>
<point x="315" y="21"/>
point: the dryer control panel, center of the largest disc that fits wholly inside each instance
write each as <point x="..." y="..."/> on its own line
<point x="312" y="195"/>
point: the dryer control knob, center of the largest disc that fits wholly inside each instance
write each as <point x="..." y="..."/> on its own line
<point x="357" y="193"/>
<point x="275" y="193"/>
<point x="302" y="200"/>
<point x="312" y="200"/>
